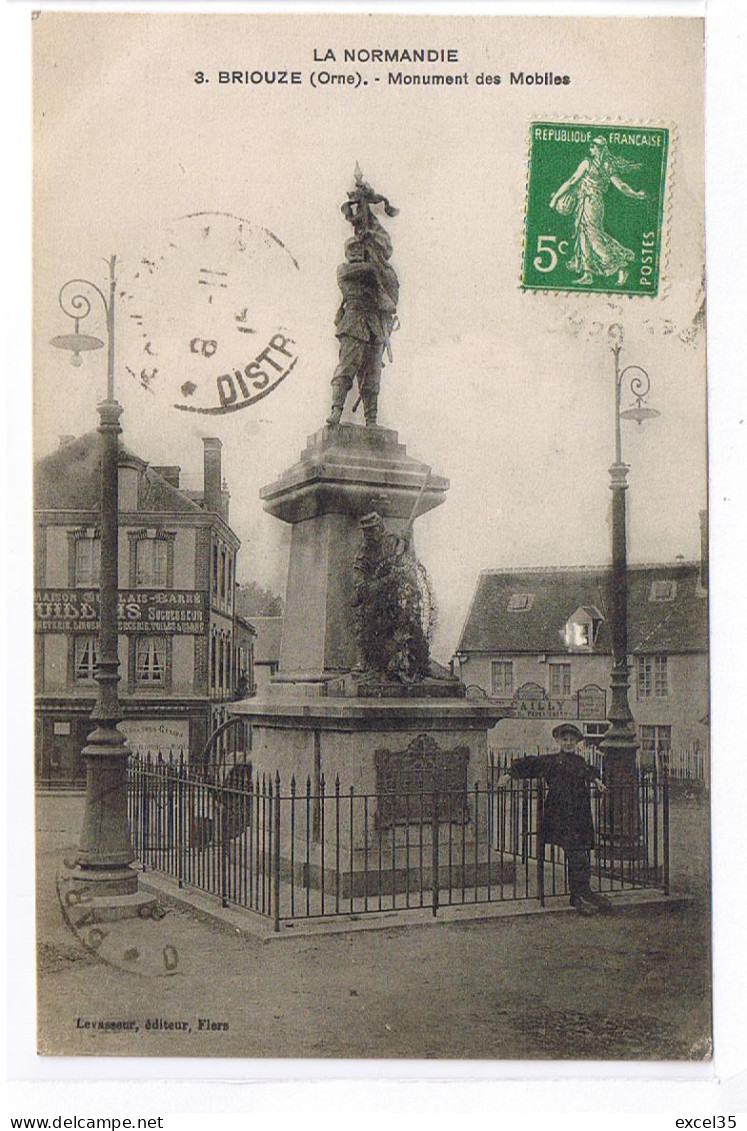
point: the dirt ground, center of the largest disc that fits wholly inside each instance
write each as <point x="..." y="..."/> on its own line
<point x="628" y="985"/>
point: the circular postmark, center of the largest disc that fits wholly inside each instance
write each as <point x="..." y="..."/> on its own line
<point x="137" y="940"/>
<point x="208" y="315"/>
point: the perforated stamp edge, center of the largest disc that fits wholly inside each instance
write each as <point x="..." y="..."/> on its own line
<point x="666" y="204"/>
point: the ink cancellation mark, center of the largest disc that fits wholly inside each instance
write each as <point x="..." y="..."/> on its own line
<point x="142" y="945"/>
<point x="209" y="315"/>
<point x="595" y="207"/>
<point x="243" y="387"/>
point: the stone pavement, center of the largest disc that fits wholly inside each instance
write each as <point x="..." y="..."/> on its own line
<point x="629" y="985"/>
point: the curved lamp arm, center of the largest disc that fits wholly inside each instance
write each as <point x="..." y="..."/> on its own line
<point x="75" y="301"/>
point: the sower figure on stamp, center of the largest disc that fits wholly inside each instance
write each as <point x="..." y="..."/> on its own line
<point x="367" y="313"/>
<point x="567" y="821"/>
<point x="595" y="251"/>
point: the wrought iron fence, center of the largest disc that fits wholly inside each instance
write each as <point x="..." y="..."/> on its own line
<point x="681" y="763"/>
<point x="299" y="852"/>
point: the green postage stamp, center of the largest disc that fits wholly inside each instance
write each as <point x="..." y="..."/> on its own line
<point x="594" y="209"/>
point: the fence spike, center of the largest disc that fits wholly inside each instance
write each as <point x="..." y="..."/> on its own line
<point x="293" y="785"/>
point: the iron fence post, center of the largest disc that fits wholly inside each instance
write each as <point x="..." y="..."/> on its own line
<point x="180" y="822"/>
<point x="145" y="813"/>
<point x="223" y="847"/>
<point x="434" y="851"/>
<point x="276" y="823"/>
<point x="491" y="795"/>
<point x="665" y="831"/>
<point x="541" y="843"/>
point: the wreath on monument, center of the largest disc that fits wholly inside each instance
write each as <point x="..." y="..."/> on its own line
<point x="394" y="606"/>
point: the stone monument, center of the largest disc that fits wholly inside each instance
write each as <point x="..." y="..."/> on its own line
<point x="356" y="699"/>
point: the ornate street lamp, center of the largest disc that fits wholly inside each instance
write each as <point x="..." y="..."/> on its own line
<point x="620" y="741"/>
<point x="105" y="850"/>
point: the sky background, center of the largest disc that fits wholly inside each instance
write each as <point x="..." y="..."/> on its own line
<point x="508" y="394"/>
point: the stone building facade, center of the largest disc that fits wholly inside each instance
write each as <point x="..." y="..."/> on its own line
<point x="538" y="640"/>
<point x="182" y="652"/>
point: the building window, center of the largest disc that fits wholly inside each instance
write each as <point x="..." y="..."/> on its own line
<point x="215" y="568"/>
<point x="595" y="731"/>
<point x="86" y="658"/>
<point x="87" y="562"/>
<point x="223" y="574"/>
<point x="653" y="680"/>
<point x="213" y="661"/>
<point x="230" y="580"/>
<point x="655" y="739"/>
<point x="152" y="563"/>
<point x="582" y="628"/>
<point x="580" y="635"/>
<point x="520" y="602"/>
<point x="150" y="660"/>
<point x="501" y="677"/>
<point x="560" y="680"/>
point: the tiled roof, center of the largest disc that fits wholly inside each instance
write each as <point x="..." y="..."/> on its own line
<point x="267" y="643"/>
<point x="676" y="625"/>
<point x="70" y="479"/>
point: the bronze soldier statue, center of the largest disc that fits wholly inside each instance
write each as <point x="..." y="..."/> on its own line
<point x="367" y="313"/>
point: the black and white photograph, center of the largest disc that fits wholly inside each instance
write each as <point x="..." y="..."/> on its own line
<point x="371" y="538"/>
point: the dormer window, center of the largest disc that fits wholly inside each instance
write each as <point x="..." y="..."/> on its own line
<point x="582" y="628"/>
<point x="579" y="633"/>
<point x="520" y="602"/>
<point x="663" y="591"/>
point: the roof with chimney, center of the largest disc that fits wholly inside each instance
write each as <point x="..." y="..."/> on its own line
<point x="530" y="610"/>
<point x="70" y="479"/>
<point x="267" y="643"/>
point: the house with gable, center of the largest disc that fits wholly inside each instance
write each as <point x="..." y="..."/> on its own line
<point x="538" y="641"/>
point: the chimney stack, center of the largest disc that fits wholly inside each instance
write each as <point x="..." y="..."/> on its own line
<point x="704" y="548"/>
<point x="169" y="472"/>
<point x="214" y="498"/>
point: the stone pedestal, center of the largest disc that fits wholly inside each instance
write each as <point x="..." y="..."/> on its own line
<point x="358" y="765"/>
<point x="360" y="778"/>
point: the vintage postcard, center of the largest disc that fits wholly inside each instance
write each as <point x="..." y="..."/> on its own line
<point x="371" y="564"/>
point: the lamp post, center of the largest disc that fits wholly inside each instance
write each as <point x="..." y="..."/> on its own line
<point x="105" y="850"/>
<point x="620" y="741"/>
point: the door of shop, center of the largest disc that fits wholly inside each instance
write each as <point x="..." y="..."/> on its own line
<point x="61" y="762"/>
